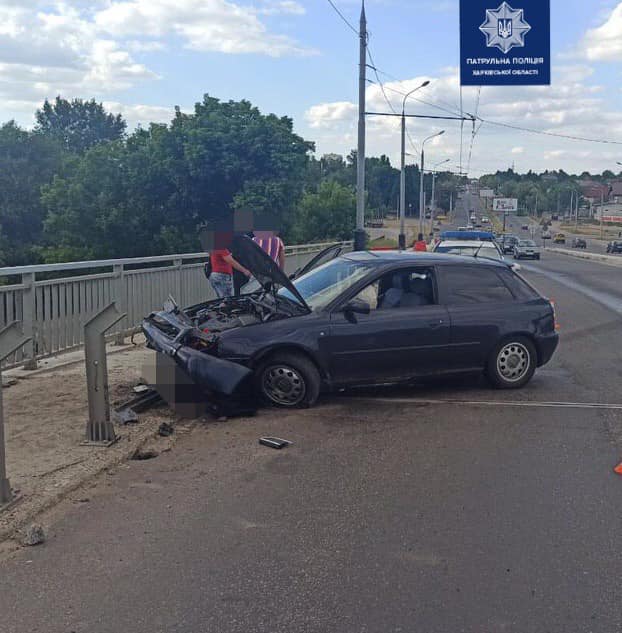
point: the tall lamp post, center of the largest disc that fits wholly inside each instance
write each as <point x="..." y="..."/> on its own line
<point x="402" y="236"/>
<point x="421" y="192"/>
<point x="433" y="202"/>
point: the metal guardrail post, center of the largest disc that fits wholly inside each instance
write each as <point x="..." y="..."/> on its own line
<point x="119" y="297"/>
<point x="99" y="428"/>
<point x="178" y="263"/>
<point x="28" y="319"/>
<point x="11" y="339"/>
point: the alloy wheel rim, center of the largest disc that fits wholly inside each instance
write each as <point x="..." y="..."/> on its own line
<point x="513" y="362"/>
<point x="284" y="385"/>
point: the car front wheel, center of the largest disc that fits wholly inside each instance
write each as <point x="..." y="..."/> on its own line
<point x="512" y="363"/>
<point x="288" y="380"/>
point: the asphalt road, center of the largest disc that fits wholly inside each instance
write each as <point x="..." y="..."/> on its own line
<point x="436" y="508"/>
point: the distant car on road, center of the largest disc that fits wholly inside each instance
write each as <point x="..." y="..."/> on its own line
<point x="507" y="243"/>
<point x="525" y="227"/>
<point x="361" y="319"/>
<point x="526" y="249"/>
<point x="546" y="235"/>
<point x="614" y="247"/>
<point x="560" y="238"/>
<point x="579" y="242"/>
<point x="485" y="220"/>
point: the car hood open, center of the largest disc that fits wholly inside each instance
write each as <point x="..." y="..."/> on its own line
<point x="262" y="266"/>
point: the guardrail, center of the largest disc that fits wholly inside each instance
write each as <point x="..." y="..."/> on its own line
<point x="53" y="310"/>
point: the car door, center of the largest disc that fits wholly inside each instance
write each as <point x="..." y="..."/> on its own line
<point x="388" y="344"/>
<point x="323" y="257"/>
<point x="480" y="305"/>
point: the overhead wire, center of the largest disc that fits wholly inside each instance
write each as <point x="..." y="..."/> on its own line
<point x="343" y="17"/>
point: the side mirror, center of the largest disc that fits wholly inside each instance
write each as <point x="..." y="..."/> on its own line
<point x="357" y="306"/>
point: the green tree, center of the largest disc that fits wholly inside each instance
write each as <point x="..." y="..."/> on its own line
<point x="78" y="125"/>
<point x="147" y="194"/>
<point x="27" y="163"/>
<point x="328" y="214"/>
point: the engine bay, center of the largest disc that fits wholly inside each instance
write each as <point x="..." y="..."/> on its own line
<point x="234" y="312"/>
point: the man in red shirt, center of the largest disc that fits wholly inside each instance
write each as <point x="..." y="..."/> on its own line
<point x="421" y="245"/>
<point x="221" y="277"/>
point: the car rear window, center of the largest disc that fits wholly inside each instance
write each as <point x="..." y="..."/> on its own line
<point x="470" y="284"/>
<point x="521" y="289"/>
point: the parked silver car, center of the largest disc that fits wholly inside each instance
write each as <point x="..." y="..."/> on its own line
<point x="526" y="249"/>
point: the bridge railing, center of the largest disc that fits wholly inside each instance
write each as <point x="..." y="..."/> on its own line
<point x="54" y="300"/>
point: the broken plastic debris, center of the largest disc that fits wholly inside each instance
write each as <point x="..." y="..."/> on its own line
<point x="274" y="442"/>
<point x="618" y="469"/>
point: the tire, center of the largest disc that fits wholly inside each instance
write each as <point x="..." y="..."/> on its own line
<point x="501" y="369"/>
<point x="288" y="380"/>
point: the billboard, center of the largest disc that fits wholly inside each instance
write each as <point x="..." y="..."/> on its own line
<point x="486" y="193"/>
<point x="505" y="205"/>
<point x="505" y="45"/>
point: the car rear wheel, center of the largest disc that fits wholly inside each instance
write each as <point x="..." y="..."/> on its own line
<point x="512" y="363"/>
<point x="288" y="380"/>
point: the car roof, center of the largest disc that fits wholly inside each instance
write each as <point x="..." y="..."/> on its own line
<point x="380" y="258"/>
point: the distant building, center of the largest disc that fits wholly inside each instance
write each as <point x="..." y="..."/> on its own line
<point x="594" y="192"/>
<point x="616" y="192"/>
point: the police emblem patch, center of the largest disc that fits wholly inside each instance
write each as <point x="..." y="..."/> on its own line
<point x="505" y="28"/>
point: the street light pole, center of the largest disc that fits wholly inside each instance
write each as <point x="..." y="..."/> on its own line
<point x="359" y="234"/>
<point x="402" y="236"/>
<point x="421" y="192"/>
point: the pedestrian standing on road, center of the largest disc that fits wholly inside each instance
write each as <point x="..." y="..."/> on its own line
<point x="221" y="277"/>
<point x="272" y="244"/>
<point x="421" y="245"/>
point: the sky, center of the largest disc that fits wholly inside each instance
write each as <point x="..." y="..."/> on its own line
<point x="298" y="58"/>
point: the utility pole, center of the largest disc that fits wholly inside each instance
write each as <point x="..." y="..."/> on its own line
<point x="359" y="234"/>
<point x="602" y="204"/>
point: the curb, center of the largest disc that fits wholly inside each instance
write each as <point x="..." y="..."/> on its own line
<point x="610" y="260"/>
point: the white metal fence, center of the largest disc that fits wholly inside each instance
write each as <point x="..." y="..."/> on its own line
<point x="53" y="310"/>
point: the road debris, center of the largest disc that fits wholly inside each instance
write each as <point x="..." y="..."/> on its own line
<point x="143" y="455"/>
<point x="618" y="469"/>
<point x="127" y="413"/>
<point x="165" y="430"/>
<point x="274" y="442"/>
<point x="34" y="535"/>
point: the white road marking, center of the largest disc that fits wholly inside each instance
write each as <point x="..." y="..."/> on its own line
<point x="495" y="403"/>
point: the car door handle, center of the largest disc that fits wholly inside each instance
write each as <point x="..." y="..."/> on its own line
<point x="434" y="325"/>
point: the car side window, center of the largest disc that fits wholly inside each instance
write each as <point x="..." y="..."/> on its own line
<point x="402" y="288"/>
<point x="473" y="284"/>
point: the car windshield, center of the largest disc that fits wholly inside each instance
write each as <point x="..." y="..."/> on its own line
<point x="320" y="286"/>
<point x="484" y="250"/>
<point x="527" y="243"/>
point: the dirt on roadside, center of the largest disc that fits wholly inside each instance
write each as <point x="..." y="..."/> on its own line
<point x="45" y="424"/>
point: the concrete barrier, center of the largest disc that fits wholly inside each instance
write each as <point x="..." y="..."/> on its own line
<point x="611" y="260"/>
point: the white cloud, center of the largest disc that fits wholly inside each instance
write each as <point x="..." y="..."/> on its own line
<point x="604" y="43"/>
<point x="86" y="48"/>
<point x="204" y="25"/>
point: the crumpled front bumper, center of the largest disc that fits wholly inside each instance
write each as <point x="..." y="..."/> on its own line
<point x="213" y="375"/>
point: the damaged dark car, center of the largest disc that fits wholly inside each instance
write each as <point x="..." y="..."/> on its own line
<point x="362" y="318"/>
